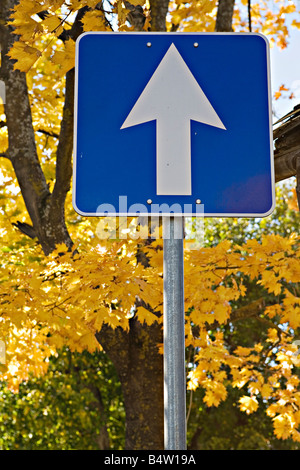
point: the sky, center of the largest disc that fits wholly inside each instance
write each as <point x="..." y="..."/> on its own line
<point x="285" y="70"/>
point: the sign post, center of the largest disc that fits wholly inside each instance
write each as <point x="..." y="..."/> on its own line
<point x="165" y="122"/>
<point x="174" y="338"/>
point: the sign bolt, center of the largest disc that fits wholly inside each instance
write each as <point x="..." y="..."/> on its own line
<point x="198" y="201"/>
<point x="149" y="201"/>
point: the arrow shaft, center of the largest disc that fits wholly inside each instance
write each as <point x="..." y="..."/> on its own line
<point x="173" y="154"/>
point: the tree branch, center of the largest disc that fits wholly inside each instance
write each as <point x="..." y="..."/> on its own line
<point x="249" y="16"/>
<point x="224" y="16"/>
<point x="5" y="155"/>
<point x="136" y="17"/>
<point x="26" y="229"/>
<point x="49" y="134"/>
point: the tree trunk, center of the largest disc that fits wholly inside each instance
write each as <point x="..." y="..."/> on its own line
<point x="140" y="369"/>
<point x="45" y="209"/>
<point x="159" y="10"/>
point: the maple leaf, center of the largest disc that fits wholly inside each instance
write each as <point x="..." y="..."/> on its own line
<point x="53" y="23"/>
<point x="65" y="58"/>
<point x="248" y="404"/>
<point x="266" y="391"/>
<point x="145" y="316"/>
<point x="242" y="351"/>
<point x="94" y="21"/>
<point x="26" y="56"/>
<point x="296" y="24"/>
<point x="283" y="88"/>
<point x="283" y="426"/>
<point x="277" y="95"/>
<point x="293" y="200"/>
<point x="215" y="393"/>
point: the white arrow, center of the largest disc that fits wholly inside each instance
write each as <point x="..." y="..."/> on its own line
<point x="173" y="98"/>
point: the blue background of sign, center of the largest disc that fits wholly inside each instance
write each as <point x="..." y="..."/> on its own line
<point x="232" y="171"/>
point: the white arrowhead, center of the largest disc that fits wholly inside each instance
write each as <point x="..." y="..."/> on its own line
<point x="173" y="97"/>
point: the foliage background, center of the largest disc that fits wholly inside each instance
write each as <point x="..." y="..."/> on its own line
<point x="60" y="390"/>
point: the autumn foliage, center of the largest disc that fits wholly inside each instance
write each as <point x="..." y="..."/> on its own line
<point x="65" y="298"/>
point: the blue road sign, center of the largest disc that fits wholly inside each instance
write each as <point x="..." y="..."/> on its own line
<point x="168" y="123"/>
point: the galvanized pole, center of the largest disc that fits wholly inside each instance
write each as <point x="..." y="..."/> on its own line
<point x="174" y="343"/>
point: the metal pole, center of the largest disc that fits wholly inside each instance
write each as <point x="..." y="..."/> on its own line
<point x="174" y="338"/>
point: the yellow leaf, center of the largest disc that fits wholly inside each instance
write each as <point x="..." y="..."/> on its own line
<point x="215" y="393"/>
<point x="53" y="24"/>
<point x="94" y="21"/>
<point x="242" y="351"/>
<point x="65" y="58"/>
<point x="222" y="312"/>
<point x="25" y="56"/>
<point x="283" y="425"/>
<point x="296" y="24"/>
<point x="137" y="2"/>
<point x="145" y="316"/>
<point x="248" y="404"/>
<point x="266" y="391"/>
<point x="3" y="368"/>
<point x="92" y="3"/>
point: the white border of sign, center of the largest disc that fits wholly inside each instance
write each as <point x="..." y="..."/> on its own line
<point x="160" y="214"/>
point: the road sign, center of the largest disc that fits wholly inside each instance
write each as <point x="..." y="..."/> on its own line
<point x="165" y="122"/>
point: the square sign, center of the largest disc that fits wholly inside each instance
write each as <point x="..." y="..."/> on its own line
<point x="168" y="123"/>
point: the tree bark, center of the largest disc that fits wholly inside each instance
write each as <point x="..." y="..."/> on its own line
<point x="159" y="10"/>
